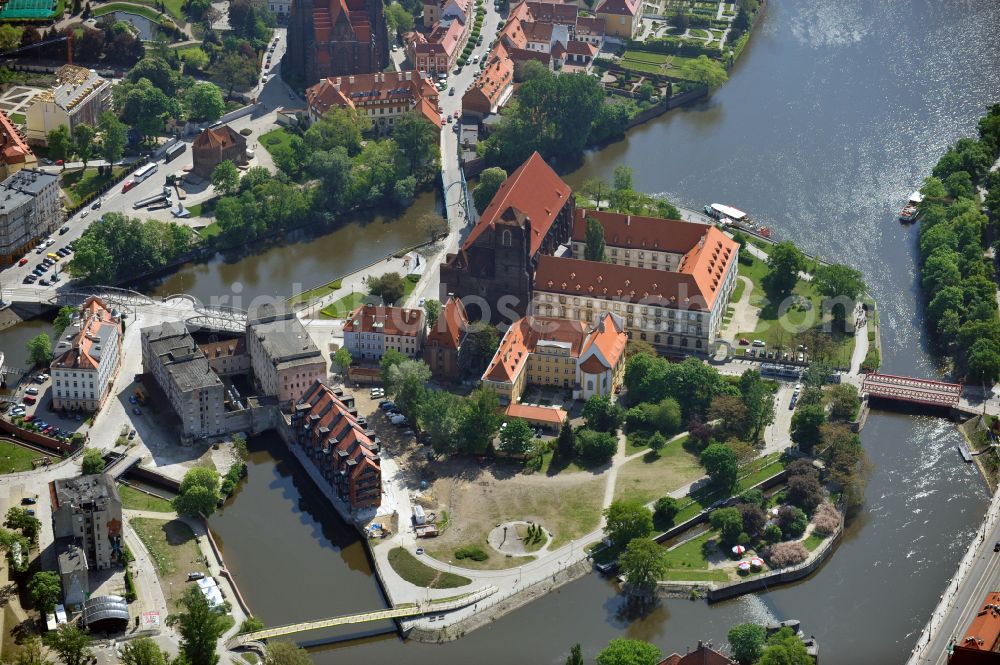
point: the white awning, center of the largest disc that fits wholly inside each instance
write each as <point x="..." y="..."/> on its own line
<point x="728" y="211"/>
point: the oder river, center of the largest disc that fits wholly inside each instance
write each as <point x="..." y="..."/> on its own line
<point x="836" y="112"/>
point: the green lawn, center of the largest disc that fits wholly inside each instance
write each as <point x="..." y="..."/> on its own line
<point x="698" y="32"/>
<point x="174" y="8"/>
<point x="642" y="67"/>
<point x="133" y="499"/>
<point x="648" y="58"/>
<point x="79" y="184"/>
<point x="18" y="118"/>
<point x="275" y="138"/>
<point x="696" y="576"/>
<point x="174" y="551"/>
<point x="750" y="474"/>
<point x="14" y="458"/>
<point x="795" y="319"/>
<point x="680" y="68"/>
<point x="141" y="10"/>
<point x="653" y="475"/>
<point x="318" y="292"/>
<point x="419" y="574"/>
<point x="813" y="541"/>
<point x="690" y="555"/>
<point x="344" y="306"/>
<point x="549" y="469"/>
<point x="738" y="290"/>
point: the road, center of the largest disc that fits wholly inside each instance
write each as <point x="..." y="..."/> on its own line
<point x="271" y="92"/>
<point x="451" y="172"/>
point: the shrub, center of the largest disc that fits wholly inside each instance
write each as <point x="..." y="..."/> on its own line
<point x="793" y="521"/>
<point x="826" y="520"/>
<point x="772" y="533"/>
<point x="805" y="492"/>
<point x="473" y="552"/>
<point x="246" y="131"/>
<point x="753" y="497"/>
<point x="666" y="508"/>
<point x="783" y="555"/>
<point x="595" y="447"/>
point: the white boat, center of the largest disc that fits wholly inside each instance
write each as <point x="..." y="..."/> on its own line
<point x="911" y="210"/>
<point x="718" y="211"/>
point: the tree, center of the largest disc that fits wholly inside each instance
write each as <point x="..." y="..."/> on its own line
<point x="238" y="71"/>
<point x="729" y="523"/>
<point x="45" y="590"/>
<point x="721" y="466"/>
<point x="433" y="225"/>
<point x="285" y="653"/>
<point x="390" y="287"/>
<point x="145" y="107"/>
<point x="195" y="59"/>
<point x="707" y="72"/>
<point x="157" y="71"/>
<point x="666" y="508"/>
<point x="575" y="657"/>
<point x="621" y="651"/>
<point x="839" y="282"/>
<point x="398" y="18"/>
<point x="479" y="421"/>
<point x="199" y="493"/>
<point x="601" y="414"/>
<point x="784" y="264"/>
<point x="566" y="441"/>
<point x="71" y="643"/>
<point x="793" y="521"/>
<point x="643" y="563"/>
<point x="342" y="360"/>
<point x="515" y="437"/>
<point x="226" y="178"/>
<point x="205" y="102"/>
<point x="844" y="401"/>
<point x="60" y="143"/>
<point x="432" y="310"/>
<point x="10" y="37"/>
<point x="746" y="641"/>
<point x="785" y="648"/>
<point x="439" y="419"/>
<point x="805" y="492"/>
<point x="114" y="136"/>
<point x="595" y="447"/>
<point x="731" y="412"/>
<point x="594" y="239"/>
<point x="83" y="142"/>
<point x="406" y="385"/>
<point x="483" y="340"/>
<point x="656" y="442"/>
<point x="489" y="182"/>
<point x="40" y="349"/>
<point x="143" y="651"/>
<point x="418" y="140"/>
<point x="754" y="518"/>
<point x="626" y="520"/>
<point x="20" y="519"/>
<point x="30" y="653"/>
<point x="805" y="426"/>
<point x="200" y="627"/>
<point x="93" y="462"/>
<point x="63" y="319"/>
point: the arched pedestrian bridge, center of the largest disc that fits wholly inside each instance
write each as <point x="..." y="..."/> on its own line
<point x="401" y="612"/>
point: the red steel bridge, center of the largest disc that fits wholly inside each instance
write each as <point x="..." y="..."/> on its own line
<point x="915" y="391"/>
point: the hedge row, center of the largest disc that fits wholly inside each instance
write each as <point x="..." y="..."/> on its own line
<point x="674" y="46"/>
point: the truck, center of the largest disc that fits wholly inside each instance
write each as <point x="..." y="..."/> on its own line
<point x="140" y="396"/>
<point x="150" y="200"/>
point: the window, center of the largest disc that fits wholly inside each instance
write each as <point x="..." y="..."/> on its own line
<point x="505" y="238"/>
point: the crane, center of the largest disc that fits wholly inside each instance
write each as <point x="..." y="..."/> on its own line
<point x="61" y="38"/>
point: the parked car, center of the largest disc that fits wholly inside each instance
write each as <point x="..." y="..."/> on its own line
<point x="136" y="411"/>
<point x="30" y="279"/>
<point x="96" y="204"/>
<point x="131" y="435"/>
<point x="387" y="405"/>
<point x="28" y="501"/>
<point x="30" y="512"/>
<point x="64" y="229"/>
<point x="132" y="399"/>
<point x="195" y="576"/>
<point x="31" y="391"/>
<point x="23" y="261"/>
<point x="759" y="342"/>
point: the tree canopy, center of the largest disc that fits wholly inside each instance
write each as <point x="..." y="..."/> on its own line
<point x="626" y="520"/>
<point x="621" y="651"/>
<point x="200" y="627"/>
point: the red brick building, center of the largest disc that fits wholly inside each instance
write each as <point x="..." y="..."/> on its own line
<point x="347" y="454"/>
<point x="214" y="146"/>
<point x="445" y="341"/>
<point x="335" y="38"/>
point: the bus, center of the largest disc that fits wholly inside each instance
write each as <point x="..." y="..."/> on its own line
<point x="175" y="150"/>
<point x="144" y="172"/>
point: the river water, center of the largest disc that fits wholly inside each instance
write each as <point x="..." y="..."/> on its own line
<point x="837" y="110"/>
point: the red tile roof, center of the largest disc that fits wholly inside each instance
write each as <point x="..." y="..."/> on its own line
<point x="590" y="25"/>
<point x="703" y="655"/>
<point x="219" y="137"/>
<point x="371" y="318"/>
<point x="633" y="231"/>
<point x="617" y="282"/>
<point x="535" y="190"/>
<point x="94" y="316"/>
<point x="451" y="326"/>
<point x="523" y="337"/>
<point x="983" y="633"/>
<point x="13" y="148"/>
<point x="546" y="414"/>
<point x="607" y="343"/>
<point x="553" y="12"/>
<point x="619" y="7"/>
<point x="408" y="87"/>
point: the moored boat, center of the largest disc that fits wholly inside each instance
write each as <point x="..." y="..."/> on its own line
<point x="911" y="210"/>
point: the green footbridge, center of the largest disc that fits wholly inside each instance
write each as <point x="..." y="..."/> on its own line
<point x="400" y="612"/>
